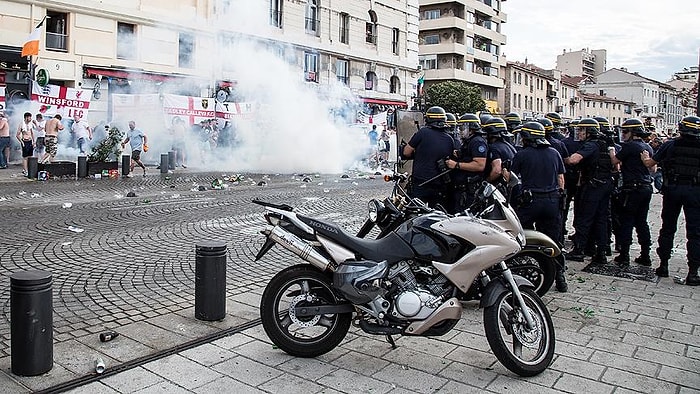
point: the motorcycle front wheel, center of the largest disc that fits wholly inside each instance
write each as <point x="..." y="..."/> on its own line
<point x="535" y="267"/>
<point x="526" y="352"/>
<point x="302" y="336"/>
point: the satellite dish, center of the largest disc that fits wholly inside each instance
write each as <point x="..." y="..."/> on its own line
<point x="221" y="95"/>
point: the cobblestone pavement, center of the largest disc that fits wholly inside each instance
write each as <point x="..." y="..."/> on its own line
<point x="131" y="269"/>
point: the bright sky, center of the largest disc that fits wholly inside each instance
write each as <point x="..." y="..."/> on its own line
<point x="655" y="38"/>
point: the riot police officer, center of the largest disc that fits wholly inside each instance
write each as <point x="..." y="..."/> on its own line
<point x="469" y="164"/>
<point x="681" y="190"/>
<point x="500" y="151"/>
<point x="557" y="124"/>
<point x="571" y="178"/>
<point x="429" y="148"/>
<point x="636" y="191"/>
<point x="513" y="122"/>
<point x="594" y="195"/>
<point x="557" y="144"/>
<point x="541" y="170"/>
<point x="614" y="208"/>
<point x="451" y="123"/>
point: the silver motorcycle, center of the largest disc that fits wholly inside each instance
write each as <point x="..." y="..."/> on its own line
<point x="405" y="283"/>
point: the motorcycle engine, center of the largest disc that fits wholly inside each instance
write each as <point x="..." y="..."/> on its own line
<point x="413" y="300"/>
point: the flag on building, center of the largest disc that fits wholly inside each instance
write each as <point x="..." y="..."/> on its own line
<point x="31" y="46"/>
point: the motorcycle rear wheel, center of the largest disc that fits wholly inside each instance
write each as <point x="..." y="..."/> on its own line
<point x="524" y="352"/>
<point x="302" y="336"/>
<point x="535" y="267"/>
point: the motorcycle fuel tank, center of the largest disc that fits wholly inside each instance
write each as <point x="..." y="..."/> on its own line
<point x="429" y="243"/>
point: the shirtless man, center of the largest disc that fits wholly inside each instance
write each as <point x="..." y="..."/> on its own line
<point x="53" y="126"/>
<point x="4" y="141"/>
<point x="25" y="136"/>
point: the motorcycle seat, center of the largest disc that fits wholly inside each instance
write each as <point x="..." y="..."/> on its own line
<point x="390" y="248"/>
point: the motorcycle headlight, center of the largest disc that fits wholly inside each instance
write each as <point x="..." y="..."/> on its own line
<point x="373" y="209"/>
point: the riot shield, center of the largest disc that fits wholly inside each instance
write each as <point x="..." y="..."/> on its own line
<point x="407" y="123"/>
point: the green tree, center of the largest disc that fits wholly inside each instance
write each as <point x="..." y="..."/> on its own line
<point x="457" y="97"/>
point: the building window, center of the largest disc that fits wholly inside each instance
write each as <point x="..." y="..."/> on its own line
<point x="56" y="31"/>
<point x="311" y="67"/>
<point x="276" y="13"/>
<point x="431" y="39"/>
<point x="126" y="41"/>
<point x="370" y="81"/>
<point x="515" y="99"/>
<point x="432" y="14"/>
<point x="342" y="71"/>
<point x="428" y="62"/>
<point x="395" y="34"/>
<point x="344" y="28"/>
<point x="311" y="21"/>
<point x="520" y="82"/>
<point x="526" y="80"/>
<point x="185" y="50"/>
<point x="394" y="85"/>
<point x="371" y="28"/>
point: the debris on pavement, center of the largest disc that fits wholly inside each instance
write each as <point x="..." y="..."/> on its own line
<point x="75" y="229"/>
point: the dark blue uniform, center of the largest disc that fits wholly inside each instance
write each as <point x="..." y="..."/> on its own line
<point x="571" y="179"/>
<point x="634" y="198"/>
<point x="681" y="162"/>
<point x="539" y="168"/>
<point x="593" y="198"/>
<point x="431" y="144"/>
<point x="499" y="149"/>
<point x="467" y="182"/>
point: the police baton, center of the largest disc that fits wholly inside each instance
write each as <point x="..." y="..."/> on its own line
<point x="436" y="177"/>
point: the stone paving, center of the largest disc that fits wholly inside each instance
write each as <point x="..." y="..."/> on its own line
<point x="131" y="269"/>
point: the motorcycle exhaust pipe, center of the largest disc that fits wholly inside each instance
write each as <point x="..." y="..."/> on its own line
<point x="295" y="245"/>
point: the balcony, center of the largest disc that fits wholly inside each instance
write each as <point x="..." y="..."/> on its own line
<point x="56" y="41"/>
<point x="494" y="36"/>
<point x="463" y="75"/>
<point x="442" y="48"/>
<point x="446" y="22"/>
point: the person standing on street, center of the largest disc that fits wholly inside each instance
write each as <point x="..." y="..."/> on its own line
<point x="680" y="158"/>
<point x="4" y="141"/>
<point x="541" y="171"/>
<point x="82" y="132"/>
<point x="25" y="136"/>
<point x="136" y="139"/>
<point x="53" y="126"/>
<point x="470" y="163"/>
<point x="636" y="191"/>
<point x="429" y="148"/>
<point x="40" y="133"/>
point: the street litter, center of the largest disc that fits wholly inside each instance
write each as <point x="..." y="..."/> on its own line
<point x="262" y="183"/>
<point x="108" y="336"/>
<point x="36" y="195"/>
<point x="75" y="229"/>
<point x="67" y="205"/>
<point x="131" y="194"/>
<point x="66" y="243"/>
<point x="99" y="365"/>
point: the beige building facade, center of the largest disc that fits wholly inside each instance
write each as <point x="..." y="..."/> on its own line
<point x="143" y="45"/>
<point x="586" y="62"/>
<point x="462" y="41"/>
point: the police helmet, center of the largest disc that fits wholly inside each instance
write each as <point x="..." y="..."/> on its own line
<point x="590" y="126"/>
<point x="495" y="127"/>
<point x="435" y="115"/>
<point x="547" y="124"/>
<point x="555" y="118"/>
<point x="634" y="126"/>
<point x="451" y="119"/>
<point x="470" y="122"/>
<point x="689" y="126"/>
<point x="512" y="120"/>
<point x="533" y="132"/>
<point x="483" y="118"/>
<point x="604" y="125"/>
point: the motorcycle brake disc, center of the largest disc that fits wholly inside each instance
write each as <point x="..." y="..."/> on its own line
<point x="292" y="314"/>
<point x="529" y="338"/>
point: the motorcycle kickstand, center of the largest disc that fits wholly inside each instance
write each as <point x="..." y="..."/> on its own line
<point x="391" y="342"/>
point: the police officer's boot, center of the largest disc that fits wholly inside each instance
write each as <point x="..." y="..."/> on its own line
<point x="693" y="279"/>
<point x="560" y="278"/>
<point x="624" y="257"/>
<point x="644" y="257"/>
<point x="662" y="270"/>
<point x="576" y="254"/>
<point x="599" y="256"/>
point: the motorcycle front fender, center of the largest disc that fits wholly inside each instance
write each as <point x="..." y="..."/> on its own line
<point x="538" y="242"/>
<point x="499" y="286"/>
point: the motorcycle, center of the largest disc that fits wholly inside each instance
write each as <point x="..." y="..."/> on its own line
<point x="405" y="283"/>
<point x="535" y="262"/>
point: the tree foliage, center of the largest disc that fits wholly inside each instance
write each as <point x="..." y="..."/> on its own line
<point x="457" y="97"/>
<point x="109" y="148"/>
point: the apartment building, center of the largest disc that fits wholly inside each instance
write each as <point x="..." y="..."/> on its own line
<point x="586" y="62"/>
<point x="139" y="45"/>
<point x="654" y="101"/>
<point x="462" y="41"/>
<point x="686" y="84"/>
<point x="614" y="110"/>
<point x="530" y="90"/>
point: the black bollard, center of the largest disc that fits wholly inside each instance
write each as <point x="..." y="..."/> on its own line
<point x="82" y="167"/>
<point x="126" y="164"/>
<point x="171" y="159"/>
<point x="164" y="163"/>
<point x="31" y="331"/>
<point x="32" y="167"/>
<point x="210" y="281"/>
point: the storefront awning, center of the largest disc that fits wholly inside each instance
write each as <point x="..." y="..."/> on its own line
<point x="123" y="73"/>
<point x="383" y="101"/>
